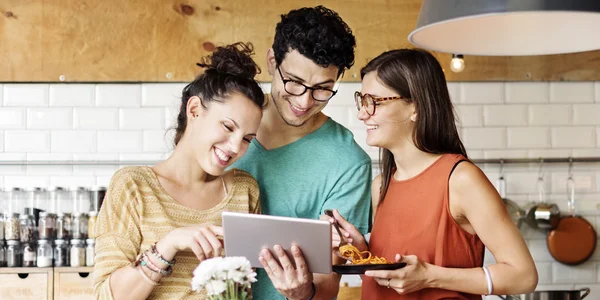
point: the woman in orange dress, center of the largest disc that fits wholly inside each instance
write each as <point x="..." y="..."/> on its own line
<point x="434" y="209"/>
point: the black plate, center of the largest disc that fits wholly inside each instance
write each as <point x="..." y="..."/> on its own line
<point x="360" y="269"/>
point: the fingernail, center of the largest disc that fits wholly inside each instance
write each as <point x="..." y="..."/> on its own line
<point x="277" y="248"/>
<point x="264" y="252"/>
<point x="295" y="248"/>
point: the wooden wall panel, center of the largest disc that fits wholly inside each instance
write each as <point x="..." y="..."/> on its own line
<point x="161" y="40"/>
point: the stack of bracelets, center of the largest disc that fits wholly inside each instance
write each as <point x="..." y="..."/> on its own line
<point x="145" y="261"/>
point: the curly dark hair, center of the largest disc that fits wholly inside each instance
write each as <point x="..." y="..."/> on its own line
<point x="317" y="33"/>
<point x="229" y="69"/>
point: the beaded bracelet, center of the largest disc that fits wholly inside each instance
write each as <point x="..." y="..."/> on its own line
<point x="145" y="262"/>
<point x="162" y="259"/>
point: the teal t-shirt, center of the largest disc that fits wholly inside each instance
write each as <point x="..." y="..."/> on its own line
<point x="325" y="169"/>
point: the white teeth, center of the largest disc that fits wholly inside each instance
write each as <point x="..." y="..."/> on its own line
<point x="372" y="127"/>
<point x="222" y="155"/>
<point x="298" y="108"/>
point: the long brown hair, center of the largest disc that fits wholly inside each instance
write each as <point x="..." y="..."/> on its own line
<point x="416" y="75"/>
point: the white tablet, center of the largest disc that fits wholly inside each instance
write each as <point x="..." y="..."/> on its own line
<point x="247" y="234"/>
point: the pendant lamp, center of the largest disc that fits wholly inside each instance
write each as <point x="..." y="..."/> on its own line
<point x="508" y="27"/>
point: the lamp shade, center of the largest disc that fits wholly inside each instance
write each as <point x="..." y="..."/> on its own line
<point x="508" y="27"/>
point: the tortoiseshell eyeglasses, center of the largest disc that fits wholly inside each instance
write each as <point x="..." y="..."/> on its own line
<point x="369" y="102"/>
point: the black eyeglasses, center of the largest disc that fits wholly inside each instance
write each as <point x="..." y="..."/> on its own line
<point x="296" y="88"/>
<point x="369" y="102"/>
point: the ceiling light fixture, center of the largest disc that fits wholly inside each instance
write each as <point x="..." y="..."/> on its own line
<point x="508" y="27"/>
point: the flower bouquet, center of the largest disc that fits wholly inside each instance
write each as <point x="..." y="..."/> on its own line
<point x="224" y="278"/>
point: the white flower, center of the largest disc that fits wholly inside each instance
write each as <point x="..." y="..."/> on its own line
<point x="219" y="273"/>
<point x="216" y="287"/>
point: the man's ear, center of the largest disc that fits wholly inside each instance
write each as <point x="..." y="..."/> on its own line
<point x="271" y="63"/>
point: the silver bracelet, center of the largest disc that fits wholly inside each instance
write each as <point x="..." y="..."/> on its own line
<point x="488" y="278"/>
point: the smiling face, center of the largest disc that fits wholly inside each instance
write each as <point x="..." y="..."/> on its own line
<point x="221" y="133"/>
<point x="297" y="110"/>
<point x="393" y="120"/>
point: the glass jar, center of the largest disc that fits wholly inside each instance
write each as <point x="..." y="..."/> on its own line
<point x="3" y="201"/>
<point x="41" y="199"/>
<point x="2" y="254"/>
<point x="77" y="256"/>
<point x="97" y="197"/>
<point x="29" y="255"/>
<point x="79" y="227"/>
<point x="93" y="216"/>
<point x="44" y="254"/>
<point x="1" y="226"/>
<point x="81" y="199"/>
<point x="63" y="226"/>
<point x="61" y="254"/>
<point x="46" y="226"/>
<point x="31" y="203"/>
<point x="90" y="255"/>
<point x="27" y="229"/>
<point x="17" y="199"/>
<point x="60" y="200"/>
<point x="12" y="227"/>
<point x="14" y="256"/>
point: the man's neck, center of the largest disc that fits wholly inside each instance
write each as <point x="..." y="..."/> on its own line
<point x="274" y="132"/>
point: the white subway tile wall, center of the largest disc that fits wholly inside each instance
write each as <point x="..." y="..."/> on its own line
<point x="129" y="122"/>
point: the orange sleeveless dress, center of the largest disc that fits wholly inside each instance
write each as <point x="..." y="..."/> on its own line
<point x="414" y="219"/>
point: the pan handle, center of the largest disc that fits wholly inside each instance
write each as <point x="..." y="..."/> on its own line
<point x="586" y="291"/>
<point x="571" y="190"/>
<point x="542" y="194"/>
<point x="502" y="187"/>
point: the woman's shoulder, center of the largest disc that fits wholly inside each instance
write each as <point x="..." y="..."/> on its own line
<point x="141" y="175"/>
<point x="241" y="178"/>
<point x="132" y="171"/>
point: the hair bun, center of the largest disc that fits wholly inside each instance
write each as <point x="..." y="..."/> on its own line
<point x="232" y="59"/>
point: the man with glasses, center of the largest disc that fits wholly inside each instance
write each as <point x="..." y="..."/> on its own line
<point x="304" y="161"/>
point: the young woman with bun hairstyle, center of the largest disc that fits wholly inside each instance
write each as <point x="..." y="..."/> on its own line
<point x="158" y="223"/>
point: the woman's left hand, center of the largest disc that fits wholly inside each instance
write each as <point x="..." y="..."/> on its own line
<point x="411" y="278"/>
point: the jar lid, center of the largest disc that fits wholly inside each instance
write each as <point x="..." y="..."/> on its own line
<point x="42" y="242"/>
<point x="56" y="188"/>
<point x="98" y="188"/>
<point x="79" y="214"/>
<point x="90" y="241"/>
<point x="78" y="189"/>
<point x="59" y="242"/>
<point x="15" y="215"/>
<point x="35" y="189"/>
<point x="63" y="215"/>
<point x="76" y="241"/>
<point x="44" y="214"/>
<point x="13" y="242"/>
<point x="93" y="214"/>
